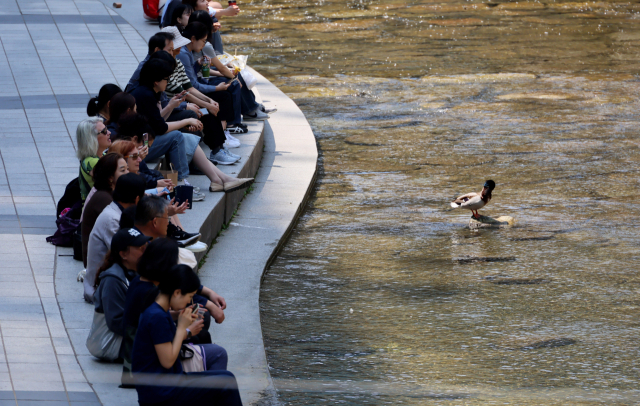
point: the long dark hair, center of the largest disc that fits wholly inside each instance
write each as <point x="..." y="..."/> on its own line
<point x="159" y="257"/>
<point x="96" y="104"/>
<point x="110" y="259"/>
<point x="120" y="103"/>
<point x="205" y="19"/>
<point x="104" y="169"/>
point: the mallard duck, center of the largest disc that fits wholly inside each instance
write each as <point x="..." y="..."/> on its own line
<point x="475" y="201"/>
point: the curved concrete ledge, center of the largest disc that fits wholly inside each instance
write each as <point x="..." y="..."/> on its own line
<point x="243" y="252"/>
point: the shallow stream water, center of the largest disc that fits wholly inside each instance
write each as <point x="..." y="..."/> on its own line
<point x="383" y="295"/>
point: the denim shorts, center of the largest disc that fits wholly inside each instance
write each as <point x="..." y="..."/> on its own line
<point x="191" y="142"/>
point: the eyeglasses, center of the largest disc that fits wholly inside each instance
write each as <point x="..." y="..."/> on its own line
<point x="134" y="156"/>
<point x="104" y="131"/>
<point x="167" y="79"/>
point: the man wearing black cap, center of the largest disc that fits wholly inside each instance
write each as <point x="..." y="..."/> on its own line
<point x="128" y="192"/>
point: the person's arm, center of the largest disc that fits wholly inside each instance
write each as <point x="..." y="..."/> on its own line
<point x="113" y="300"/>
<point x="168" y="352"/>
<point x="174" y="103"/>
<point x="193" y="78"/>
<point x="229" y="11"/>
<point x="201" y="100"/>
<point x="214" y="297"/>
<point x="222" y="68"/>
<point x="176" y="125"/>
<point x="215" y="311"/>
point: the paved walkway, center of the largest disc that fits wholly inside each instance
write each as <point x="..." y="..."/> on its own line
<point x="54" y="54"/>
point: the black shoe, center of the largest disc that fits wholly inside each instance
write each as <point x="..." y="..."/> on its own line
<point x="182" y="237"/>
<point x="237" y="129"/>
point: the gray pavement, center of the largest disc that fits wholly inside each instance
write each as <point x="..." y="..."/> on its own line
<point x="54" y="55"/>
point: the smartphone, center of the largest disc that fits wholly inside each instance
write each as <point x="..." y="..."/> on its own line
<point x="145" y="138"/>
<point x="194" y="308"/>
<point x="204" y="111"/>
<point x="231" y="81"/>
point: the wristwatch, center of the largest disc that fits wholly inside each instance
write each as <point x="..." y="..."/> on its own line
<point x="189" y="334"/>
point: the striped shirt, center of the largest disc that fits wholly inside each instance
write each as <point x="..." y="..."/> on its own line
<point x="178" y="81"/>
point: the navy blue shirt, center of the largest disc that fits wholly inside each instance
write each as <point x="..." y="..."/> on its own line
<point x="147" y="103"/>
<point x="156" y="327"/>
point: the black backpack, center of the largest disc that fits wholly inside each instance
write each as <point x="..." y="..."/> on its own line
<point x="69" y="199"/>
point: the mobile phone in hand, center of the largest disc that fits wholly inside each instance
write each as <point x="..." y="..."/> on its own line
<point x="194" y="308"/>
<point x="231" y="81"/>
<point x="204" y="111"/>
<point x="145" y="139"/>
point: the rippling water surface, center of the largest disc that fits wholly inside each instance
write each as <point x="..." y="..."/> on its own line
<point x="383" y="295"/>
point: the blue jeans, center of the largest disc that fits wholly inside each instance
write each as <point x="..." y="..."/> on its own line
<point x="236" y="94"/>
<point x="171" y="144"/>
<point x="216" y="357"/>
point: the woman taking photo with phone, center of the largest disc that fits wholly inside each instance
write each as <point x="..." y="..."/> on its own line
<point x="157" y="369"/>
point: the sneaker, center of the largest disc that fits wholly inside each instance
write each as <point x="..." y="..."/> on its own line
<point x="182" y="237"/>
<point x="197" y="247"/>
<point x="221" y="158"/>
<point x="236" y="184"/>
<point x="256" y="116"/>
<point x="185" y="182"/>
<point x="231" y="154"/>
<point x="230" y="137"/>
<point x="263" y="109"/>
<point x="232" y="143"/>
<point x="236" y="129"/>
<point x="216" y="187"/>
<point x="199" y="196"/>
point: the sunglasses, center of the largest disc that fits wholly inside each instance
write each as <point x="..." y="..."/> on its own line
<point x="134" y="156"/>
<point x="104" y="131"/>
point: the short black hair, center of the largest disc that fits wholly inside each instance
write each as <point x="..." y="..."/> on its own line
<point x="165" y="56"/>
<point x="205" y="19"/>
<point x="179" y="277"/>
<point x="154" y="70"/>
<point x="119" y="105"/>
<point x="150" y="207"/>
<point x="128" y="188"/>
<point x="195" y="29"/>
<point x="159" y="41"/>
<point x="158" y="258"/>
<point x="133" y="125"/>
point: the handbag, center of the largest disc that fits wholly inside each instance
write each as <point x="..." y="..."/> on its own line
<point x="103" y="343"/>
<point x="193" y="358"/>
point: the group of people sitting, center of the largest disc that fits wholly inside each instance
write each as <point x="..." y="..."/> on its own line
<point x="151" y="312"/>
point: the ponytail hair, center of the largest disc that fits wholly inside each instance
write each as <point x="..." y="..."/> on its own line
<point x="180" y="277"/>
<point x="96" y="104"/>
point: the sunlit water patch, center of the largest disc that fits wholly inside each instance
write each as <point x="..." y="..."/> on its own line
<point x="383" y="295"/>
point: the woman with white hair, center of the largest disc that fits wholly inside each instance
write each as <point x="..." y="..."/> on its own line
<point x="93" y="139"/>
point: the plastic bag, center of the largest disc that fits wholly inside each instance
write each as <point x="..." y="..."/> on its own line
<point x="249" y="79"/>
<point x="103" y="343"/>
<point x="238" y="61"/>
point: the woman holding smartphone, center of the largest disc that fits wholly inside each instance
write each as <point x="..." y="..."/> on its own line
<point x="158" y="373"/>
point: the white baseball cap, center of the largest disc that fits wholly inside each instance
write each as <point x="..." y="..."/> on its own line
<point x="178" y="40"/>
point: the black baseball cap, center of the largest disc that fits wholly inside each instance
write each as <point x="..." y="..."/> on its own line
<point x="128" y="237"/>
<point x="128" y="187"/>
